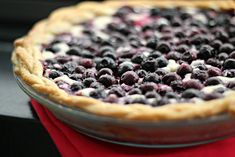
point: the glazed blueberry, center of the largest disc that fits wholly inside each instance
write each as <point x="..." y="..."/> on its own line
<point x="174" y="55"/>
<point x="69" y="67"/>
<point x="216" y="44"/>
<point x="191" y="93"/>
<point x="80" y="69"/>
<point x="232" y="55"/>
<point x="118" y="91"/>
<point x="163" y="47"/>
<point x="213" y="81"/>
<point x="214" y="71"/>
<point x="223" y="56"/>
<point x="86" y="62"/>
<point x="227" y="48"/>
<point x="76" y="86"/>
<point x="148" y="86"/>
<point x="74" y="51"/>
<point x="163" y="89"/>
<point x="177" y="85"/>
<point x="189" y="56"/>
<point x="104" y="71"/>
<point x="129" y="78"/>
<point x="106" y="49"/>
<point x="152" y="77"/>
<point x="152" y="94"/>
<point x="89" y="73"/>
<point x="161" y="72"/>
<point x="96" y="85"/>
<point x="172" y="95"/>
<point x="168" y="78"/>
<point x="88" y="81"/>
<point x="206" y="52"/>
<point x="98" y="94"/>
<point x="229" y="73"/>
<point x="214" y="62"/>
<point x="182" y="48"/>
<point x="221" y="35"/>
<point x="54" y="74"/>
<point x="76" y="77"/>
<point x="149" y="64"/>
<point x="193" y="84"/>
<point x="152" y="43"/>
<point x="229" y="64"/>
<point x="135" y="91"/>
<point x="155" y="54"/>
<point x="124" y="67"/>
<point x="106" y="80"/>
<point x="141" y="73"/>
<point x="110" y="55"/>
<point x="184" y="69"/>
<point x="106" y="63"/>
<point x="200" y="75"/>
<point x="138" y="58"/>
<point x="161" y="62"/>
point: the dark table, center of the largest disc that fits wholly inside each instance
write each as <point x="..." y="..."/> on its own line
<point x="21" y="133"/>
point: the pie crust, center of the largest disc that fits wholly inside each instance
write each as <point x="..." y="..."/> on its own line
<point x="26" y="59"/>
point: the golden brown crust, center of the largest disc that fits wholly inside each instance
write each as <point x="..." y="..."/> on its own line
<point x="26" y="59"/>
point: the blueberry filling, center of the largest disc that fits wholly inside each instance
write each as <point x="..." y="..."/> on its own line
<point x="151" y="56"/>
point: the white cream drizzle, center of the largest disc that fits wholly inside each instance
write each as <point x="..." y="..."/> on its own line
<point x="172" y="66"/>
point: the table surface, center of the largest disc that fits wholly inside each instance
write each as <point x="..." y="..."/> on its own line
<point x="21" y="132"/>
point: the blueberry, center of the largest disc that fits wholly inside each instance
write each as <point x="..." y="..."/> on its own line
<point x="155" y="12"/>
<point x="216" y="44"/>
<point x="168" y="78"/>
<point x="118" y="91"/>
<point x="184" y="69"/>
<point x="214" y="62"/>
<point x="123" y="11"/>
<point x="231" y="85"/>
<point x="227" y="48"/>
<point x="191" y="93"/>
<point x="88" y="81"/>
<point x="124" y="67"/>
<point x="163" y="47"/>
<point x="213" y="81"/>
<point x="161" y="62"/>
<point x="172" y="95"/>
<point x="76" y="86"/>
<point x="98" y="94"/>
<point x="109" y="55"/>
<point x="180" y="34"/>
<point x="214" y="71"/>
<point x="177" y="85"/>
<point x="206" y="52"/>
<point x="63" y="59"/>
<point x="89" y="73"/>
<point x="69" y="67"/>
<point x="76" y="77"/>
<point x="163" y="101"/>
<point x="152" y="94"/>
<point x="148" y="86"/>
<point x="106" y="80"/>
<point x="104" y="71"/>
<point x="135" y="91"/>
<point x="174" y="55"/>
<point x="211" y="96"/>
<point x="138" y="100"/>
<point x="74" y="51"/>
<point x="96" y="85"/>
<point x="192" y="84"/>
<point x="155" y="54"/>
<point x="138" y="58"/>
<point x="106" y="49"/>
<point x="152" y="43"/>
<point x="200" y="75"/>
<point x="229" y="73"/>
<point x="229" y="64"/>
<point x="221" y="35"/>
<point x="149" y="64"/>
<point x="163" y="89"/>
<point x="80" y="69"/>
<point x="223" y="56"/>
<point x="54" y="74"/>
<point x="86" y="62"/>
<point x="129" y="78"/>
<point x="141" y="73"/>
<point x="196" y="40"/>
<point x="106" y="63"/>
<point x="87" y="54"/>
<point x="152" y="77"/>
<point x="189" y="56"/>
<point x="182" y="48"/>
<point x="232" y="55"/>
<point x="161" y="72"/>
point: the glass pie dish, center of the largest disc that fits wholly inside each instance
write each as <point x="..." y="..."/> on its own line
<point x="150" y="134"/>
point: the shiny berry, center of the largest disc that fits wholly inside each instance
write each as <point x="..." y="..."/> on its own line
<point x="163" y="47"/>
<point x="138" y="58"/>
<point x="206" y="52"/>
<point x="106" y="80"/>
<point x="161" y="62"/>
<point x="88" y="81"/>
<point x="184" y="69"/>
<point x="192" y="84"/>
<point x="214" y="71"/>
<point x="191" y="93"/>
<point x="213" y="81"/>
<point x="168" y="78"/>
<point x="229" y="64"/>
<point x="129" y="78"/>
<point x="106" y="63"/>
<point x="200" y="75"/>
<point x="104" y="71"/>
<point x="76" y="86"/>
<point x="152" y="77"/>
<point x="227" y="48"/>
<point x="149" y="64"/>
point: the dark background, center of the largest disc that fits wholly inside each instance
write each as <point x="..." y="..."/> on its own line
<point x="21" y="133"/>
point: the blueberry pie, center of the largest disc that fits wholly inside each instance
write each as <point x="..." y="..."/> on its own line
<point x="141" y="60"/>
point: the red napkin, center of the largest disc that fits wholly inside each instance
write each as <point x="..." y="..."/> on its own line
<point x="73" y="144"/>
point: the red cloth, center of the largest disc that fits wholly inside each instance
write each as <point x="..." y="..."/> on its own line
<point x="73" y="144"/>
